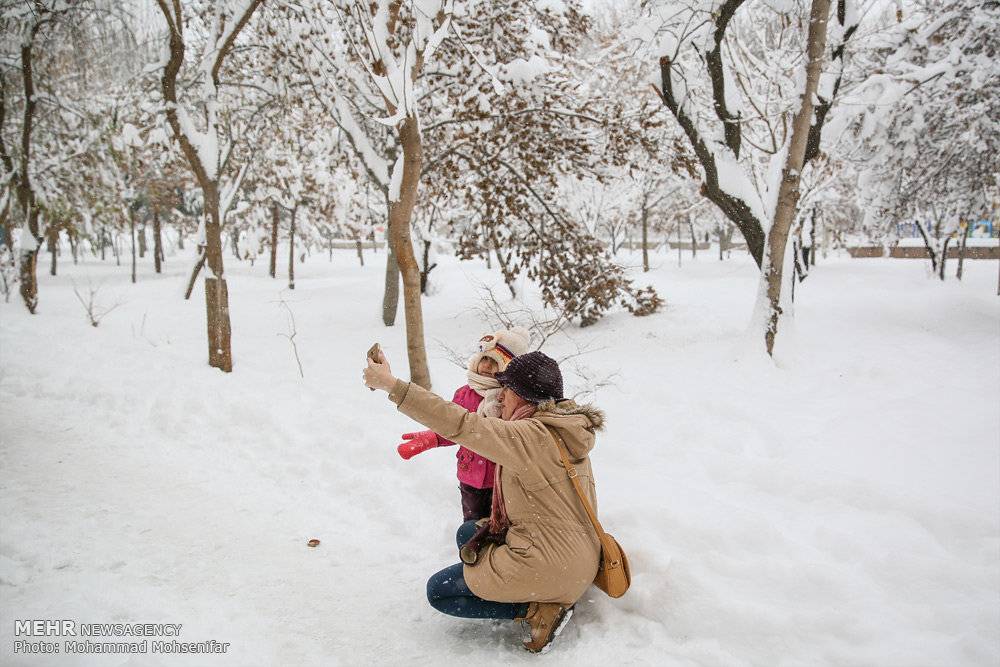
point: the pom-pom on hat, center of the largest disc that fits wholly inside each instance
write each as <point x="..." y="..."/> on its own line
<point x="534" y="376"/>
<point x="501" y="346"/>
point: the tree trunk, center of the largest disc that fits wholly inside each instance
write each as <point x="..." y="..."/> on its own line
<point x="964" y="231"/>
<point x="180" y="237"/>
<point x="797" y="273"/>
<point x="220" y="335"/>
<point x="645" y="239"/>
<point x="6" y="231"/>
<point x="104" y="241"/>
<point x="291" y="250"/>
<point x="74" y="247"/>
<point x="275" y="217"/>
<point x="390" y="296"/>
<point x="25" y="194"/>
<point x="131" y="233"/>
<point x="943" y="257"/>
<point x="5" y="285"/>
<point x="932" y="250"/>
<point x="400" y="213"/>
<point x="788" y="191"/>
<point x="28" y="276"/>
<point x="220" y="353"/>
<point x="157" y="242"/>
<point x="115" y="250"/>
<point x="679" y="244"/>
<point x="194" y="273"/>
<point x="427" y="267"/>
<point x="812" y="241"/>
<point x="53" y="242"/>
<point x="360" y="248"/>
<point x="694" y="241"/>
<point x="142" y="240"/>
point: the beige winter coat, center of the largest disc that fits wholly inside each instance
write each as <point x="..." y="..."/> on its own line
<point x="552" y="552"/>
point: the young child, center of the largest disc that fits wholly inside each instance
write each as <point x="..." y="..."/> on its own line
<point x="481" y="395"/>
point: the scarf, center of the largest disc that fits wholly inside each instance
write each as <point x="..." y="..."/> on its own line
<point x="489" y="388"/>
<point x="482" y="383"/>
<point x="499" y="522"/>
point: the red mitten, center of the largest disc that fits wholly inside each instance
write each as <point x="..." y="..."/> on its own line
<point x="417" y="442"/>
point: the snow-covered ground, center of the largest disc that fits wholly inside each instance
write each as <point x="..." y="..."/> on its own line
<point x="839" y="508"/>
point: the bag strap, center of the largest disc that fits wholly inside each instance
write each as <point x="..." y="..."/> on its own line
<point x="572" y="474"/>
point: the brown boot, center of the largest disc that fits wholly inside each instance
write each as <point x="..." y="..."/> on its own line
<point x="546" y="621"/>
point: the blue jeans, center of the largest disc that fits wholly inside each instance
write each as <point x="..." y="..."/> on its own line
<point x="448" y="593"/>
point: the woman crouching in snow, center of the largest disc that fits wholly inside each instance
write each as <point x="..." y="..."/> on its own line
<point x="545" y="552"/>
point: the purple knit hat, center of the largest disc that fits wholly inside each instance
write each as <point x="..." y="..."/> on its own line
<point x="535" y="377"/>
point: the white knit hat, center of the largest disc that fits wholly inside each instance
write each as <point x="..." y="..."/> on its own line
<point x="501" y="346"/>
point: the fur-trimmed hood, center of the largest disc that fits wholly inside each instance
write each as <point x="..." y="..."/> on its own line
<point x="569" y="407"/>
<point x="576" y="424"/>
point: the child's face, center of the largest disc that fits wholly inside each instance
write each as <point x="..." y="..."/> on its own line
<point x="487" y="367"/>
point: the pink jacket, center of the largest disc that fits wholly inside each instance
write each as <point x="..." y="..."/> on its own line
<point x="473" y="469"/>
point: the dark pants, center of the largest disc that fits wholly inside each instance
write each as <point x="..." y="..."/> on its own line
<point x="476" y="503"/>
<point x="448" y="593"/>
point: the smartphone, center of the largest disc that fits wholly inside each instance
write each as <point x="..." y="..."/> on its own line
<point x="374" y="355"/>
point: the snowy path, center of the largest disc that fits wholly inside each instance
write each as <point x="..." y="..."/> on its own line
<point x="841" y="509"/>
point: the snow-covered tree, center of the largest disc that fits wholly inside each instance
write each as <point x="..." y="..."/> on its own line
<point x="366" y="63"/>
<point x="56" y="59"/>
<point x="195" y="123"/>
<point x="24" y="26"/>
<point x="930" y="137"/>
<point x="745" y="81"/>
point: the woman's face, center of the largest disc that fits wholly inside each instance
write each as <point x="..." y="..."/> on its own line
<point x="509" y="402"/>
<point x="487" y="367"/>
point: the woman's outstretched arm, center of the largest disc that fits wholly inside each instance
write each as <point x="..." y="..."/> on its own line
<point x="508" y="443"/>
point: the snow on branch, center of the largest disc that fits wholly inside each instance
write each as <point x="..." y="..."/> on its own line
<point x="735" y="207"/>
<point x="395" y="70"/>
<point x="829" y="86"/>
<point x="717" y="73"/>
<point x="226" y="34"/>
<point x="200" y="148"/>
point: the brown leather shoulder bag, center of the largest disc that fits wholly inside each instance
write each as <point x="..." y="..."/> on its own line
<point x="613" y="573"/>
